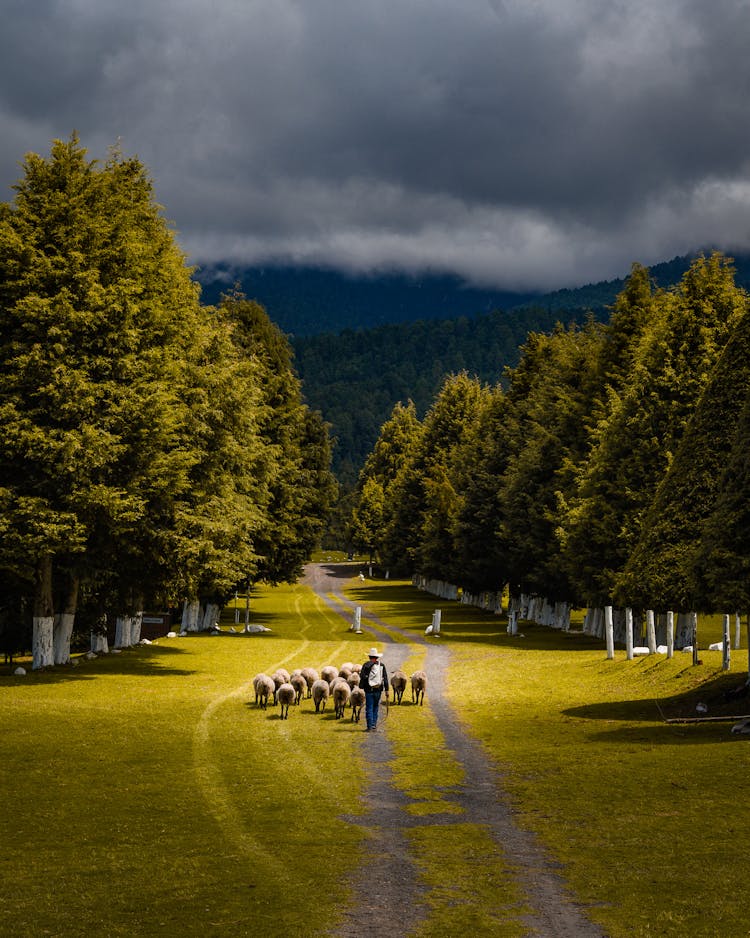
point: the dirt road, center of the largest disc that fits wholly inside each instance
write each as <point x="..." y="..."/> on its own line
<point x="387" y="885"/>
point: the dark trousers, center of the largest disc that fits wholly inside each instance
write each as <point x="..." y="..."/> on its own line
<point x="372" y="702"/>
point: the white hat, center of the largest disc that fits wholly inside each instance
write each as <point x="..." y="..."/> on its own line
<point x="374" y="653"/>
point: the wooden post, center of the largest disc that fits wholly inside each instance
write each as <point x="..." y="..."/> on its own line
<point x="725" y="653"/>
<point x="629" y="633"/>
<point x="609" y="632"/>
<point x="650" y="632"/>
<point x="670" y="635"/>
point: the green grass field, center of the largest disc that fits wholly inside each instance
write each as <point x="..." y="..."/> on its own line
<point x="144" y="793"/>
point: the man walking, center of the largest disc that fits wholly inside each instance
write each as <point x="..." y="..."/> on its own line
<point x="373" y="679"/>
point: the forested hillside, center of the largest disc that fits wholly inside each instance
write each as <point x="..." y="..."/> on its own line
<point x="355" y="378"/>
<point x="310" y="301"/>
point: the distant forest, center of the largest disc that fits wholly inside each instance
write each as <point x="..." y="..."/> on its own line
<point x="364" y="343"/>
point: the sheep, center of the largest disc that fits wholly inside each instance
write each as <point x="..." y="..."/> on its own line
<point x="285" y="695"/>
<point x="398" y="685"/>
<point x="418" y="686"/>
<point x="329" y="673"/>
<point x="353" y="680"/>
<point x="311" y="676"/>
<point x="341" y="695"/>
<point x="357" y="701"/>
<point x="357" y="668"/>
<point x="344" y="671"/>
<point x="300" y="686"/>
<point x="264" y="687"/>
<point x="346" y="666"/>
<point x="320" y="694"/>
<point x="279" y="677"/>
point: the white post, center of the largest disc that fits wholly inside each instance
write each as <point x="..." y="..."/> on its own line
<point x="694" y="635"/>
<point x="737" y="631"/>
<point x="725" y="653"/>
<point x="670" y="635"/>
<point x="650" y="632"/>
<point x="236" y="610"/>
<point x="247" y="606"/>
<point x="357" y="623"/>
<point x="436" y="622"/>
<point x="609" y="632"/>
<point x="629" y="633"/>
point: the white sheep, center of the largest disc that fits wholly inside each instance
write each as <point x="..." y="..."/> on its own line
<point x="285" y="695"/>
<point x="357" y="701"/>
<point x="299" y="684"/>
<point x="344" y="671"/>
<point x="357" y="668"/>
<point x="341" y="694"/>
<point x="311" y="676"/>
<point x="346" y="666"/>
<point x="264" y="688"/>
<point x="279" y="677"/>
<point x="329" y="673"/>
<point x="418" y="686"/>
<point x="353" y="680"/>
<point x="398" y="685"/>
<point x="320" y="694"/>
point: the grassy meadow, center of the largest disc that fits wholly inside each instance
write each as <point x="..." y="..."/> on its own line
<point x="145" y="794"/>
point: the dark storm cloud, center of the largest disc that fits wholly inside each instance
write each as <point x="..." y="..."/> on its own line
<point x="520" y="142"/>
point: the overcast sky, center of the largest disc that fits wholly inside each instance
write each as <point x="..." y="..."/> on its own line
<point x="517" y="143"/>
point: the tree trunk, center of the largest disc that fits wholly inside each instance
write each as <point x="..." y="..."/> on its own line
<point x="123" y="625"/>
<point x="135" y="635"/>
<point x="191" y="615"/>
<point x="64" y="622"/>
<point x="99" y="642"/>
<point x="629" y="633"/>
<point x="42" y="646"/>
<point x="211" y="616"/>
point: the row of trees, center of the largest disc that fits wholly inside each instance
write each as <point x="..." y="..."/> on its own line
<point x="611" y="468"/>
<point x="153" y="450"/>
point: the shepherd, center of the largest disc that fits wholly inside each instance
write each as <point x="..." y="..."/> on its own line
<point x="373" y="678"/>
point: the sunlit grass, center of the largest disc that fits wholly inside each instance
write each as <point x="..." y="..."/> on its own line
<point x="646" y="816"/>
<point x="149" y="796"/>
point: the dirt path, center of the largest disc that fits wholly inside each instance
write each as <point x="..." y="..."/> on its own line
<point x="388" y="885"/>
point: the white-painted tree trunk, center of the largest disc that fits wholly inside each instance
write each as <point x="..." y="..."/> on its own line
<point x="650" y="632"/>
<point x="135" y="634"/>
<point x="609" y="632"/>
<point x="99" y="643"/>
<point x="122" y="631"/>
<point x="211" y="616"/>
<point x="191" y="615"/>
<point x="670" y="635"/>
<point x="629" y="634"/>
<point x="62" y="634"/>
<point x="683" y="634"/>
<point x="737" y="630"/>
<point x="42" y="642"/>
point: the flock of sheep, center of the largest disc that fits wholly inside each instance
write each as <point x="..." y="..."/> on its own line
<point x="340" y="684"/>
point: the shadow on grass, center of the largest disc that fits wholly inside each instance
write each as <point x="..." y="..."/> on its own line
<point x="723" y="696"/>
<point x="142" y="661"/>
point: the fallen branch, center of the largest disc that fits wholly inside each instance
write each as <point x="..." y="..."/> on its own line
<point x="726" y="719"/>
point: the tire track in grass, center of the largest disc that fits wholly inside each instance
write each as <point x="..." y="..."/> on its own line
<point x="209" y="775"/>
<point x="553" y="911"/>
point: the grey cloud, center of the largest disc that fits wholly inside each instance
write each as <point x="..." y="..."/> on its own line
<point x="512" y="142"/>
